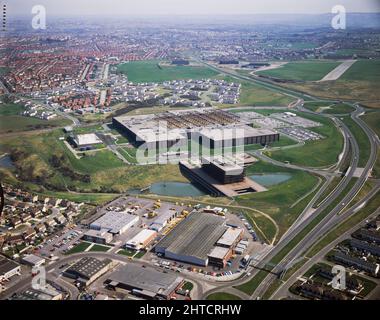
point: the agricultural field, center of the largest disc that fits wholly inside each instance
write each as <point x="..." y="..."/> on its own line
<point x="319" y="153"/>
<point x="301" y="71"/>
<point x="153" y="71"/>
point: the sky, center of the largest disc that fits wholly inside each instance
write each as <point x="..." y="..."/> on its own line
<point x="189" y="7"/>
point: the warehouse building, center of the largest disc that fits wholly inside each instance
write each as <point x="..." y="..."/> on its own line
<point x="210" y="127"/>
<point x="144" y="282"/>
<point x="8" y="269"/>
<point x="141" y="240"/>
<point x="115" y="222"/>
<point x="101" y="236"/>
<point x="86" y="140"/>
<point x="216" y="138"/>
<point x="193" y="238"/>
<point x="88" y="269"/>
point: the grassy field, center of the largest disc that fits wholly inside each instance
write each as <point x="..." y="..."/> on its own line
<point x="255" y="95"/>
<point x="81" y="247"/>
<point x="360" y="83"/>
<point x="152" y="71"/>
<point x="222" y="296"/>
<point x="325" y="107"/>
<point x="11" y="120"/>
<point x="126" y="252"/>
<point x="107" y="173"/>
<point x="99" y="248"/>
<point x="363" y="70"/>
<point x="319" y="153"/>
<point x="373" y="120"/>
<point x="361" y="138"/>
<point x="301" y="71"/>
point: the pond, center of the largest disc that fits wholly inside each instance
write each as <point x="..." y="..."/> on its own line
<point x="6" y="162"/>
<point x="175" y="189"/>
<point x="270" y="179"/>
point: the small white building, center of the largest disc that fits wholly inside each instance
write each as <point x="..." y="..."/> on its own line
<point x="33" y="260"/>
<point x="141" y="240"/>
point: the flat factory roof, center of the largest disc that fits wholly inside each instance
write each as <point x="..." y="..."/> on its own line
<point x="141" y="237"/>
<point x="114" y="221"/>
<point x="195" y="235"/>
<point x="146" y="279"/>
<point x="88" y="266"/>
<point x="236" y="132"/>
<point x="87" y="138"/>
<point x="7" y="265"/>
<point x="229" y="237"/>
<point x="219" y="253"/>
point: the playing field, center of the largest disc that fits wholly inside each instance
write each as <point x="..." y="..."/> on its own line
<point x="301" y="71"/>
<point x="152" y="71"/>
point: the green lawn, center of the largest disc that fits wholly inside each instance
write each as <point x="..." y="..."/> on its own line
<point x="81" y="247"/>
<point x="373" y="120"/>
<point x="302" y="70"/>
<point x="152" y="71"/>
<point x="11" y="109"/>
<point x="361" y="138"/>
<point x="21" y="123"/>
<point x="3" y="70"/>
<point x="256" y="95"/>
<point x="126" y="252"/>
<point x="222" y="296"/>
<point x="107" y="173"/>
<point x="329" y="108"/>
<point x="188" y="286"/>
<point x="99" y="248"/>
<point x="363" y="70"/>
<point x="319" y="153"/>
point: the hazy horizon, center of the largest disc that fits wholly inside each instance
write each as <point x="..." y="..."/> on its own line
<point x="190" y="8"/>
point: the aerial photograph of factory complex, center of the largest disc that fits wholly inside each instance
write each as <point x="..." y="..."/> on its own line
<point x="190" y="153"/>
